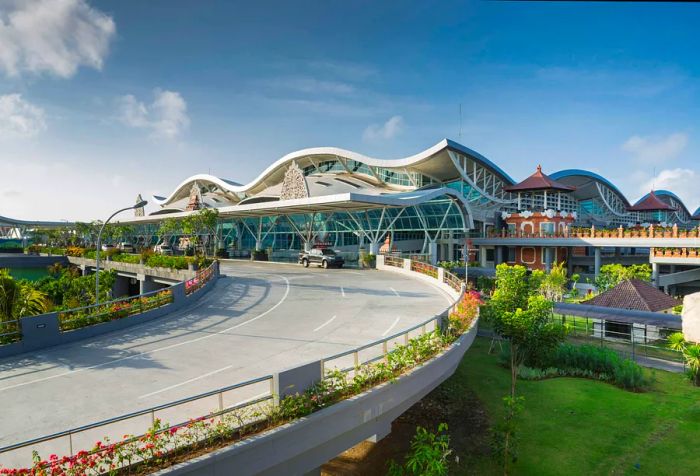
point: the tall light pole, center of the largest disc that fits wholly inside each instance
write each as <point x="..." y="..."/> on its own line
<point x="140" y="204"/>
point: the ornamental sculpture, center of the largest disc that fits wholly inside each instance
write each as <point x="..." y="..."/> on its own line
<point x="139" y="212"/>
<point x="195" y="202"/>
<point x="294" y="184"/>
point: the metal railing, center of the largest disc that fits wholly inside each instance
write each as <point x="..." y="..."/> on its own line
<point x="10" y="331"/>
<point x="201" y="278"/>
<point x="212" y="404"/>
<point x="350" y="360"/>
<point x="76" y="318"/>
<point x="634" y="341"/>
<point x="424" y="268"/>
<point x="395" y="261"/>
<point x="452" y="281"/>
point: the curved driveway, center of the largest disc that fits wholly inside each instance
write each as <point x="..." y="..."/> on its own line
<point x="258" y="319"/>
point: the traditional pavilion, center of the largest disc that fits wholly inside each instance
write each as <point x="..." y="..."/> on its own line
<point x="651" y="209"/>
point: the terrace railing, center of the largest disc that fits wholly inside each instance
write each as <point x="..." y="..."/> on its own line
<point x="394" y="261"/>
<point x="452" y="281"/>
<point x="653" y="231"/>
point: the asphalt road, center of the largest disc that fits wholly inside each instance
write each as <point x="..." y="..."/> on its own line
<point x="258" y="319"/>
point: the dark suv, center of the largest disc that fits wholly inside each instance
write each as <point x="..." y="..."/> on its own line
<point x="325" y="258"/>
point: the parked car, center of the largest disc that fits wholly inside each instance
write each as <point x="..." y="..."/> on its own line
<point x="126" y="247"/>
<point x="107" y="247"/>
<point x="325" y="258"/>
<point x="163" y="249"/>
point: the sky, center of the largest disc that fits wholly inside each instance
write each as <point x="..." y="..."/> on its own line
<point x="103" y="100"/>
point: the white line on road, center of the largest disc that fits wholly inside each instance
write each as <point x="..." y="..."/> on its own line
<point x="324" y="324"/>
<point x="391" y="326"/>
<point x="186" y="382"/>
<point x="141" y="354"/>
<point x="395" y="292"/>
<point x="342" y="291"/>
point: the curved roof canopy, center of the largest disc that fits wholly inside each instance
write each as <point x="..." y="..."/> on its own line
<point x="434" y="163"/>
<point x="585" y="183"/>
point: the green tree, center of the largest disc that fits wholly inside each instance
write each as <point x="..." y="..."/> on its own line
<point x="613" y="274"/>
<point x="19" y="299"/>
<point x="691" y="354"/>
<point x="521" y="316"/>
<point x="553" y="285"/>
<point x="168" y="228"/>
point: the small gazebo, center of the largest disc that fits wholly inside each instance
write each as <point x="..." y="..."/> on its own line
<point x="540" y="185"/>
<point x="635" y="295"/>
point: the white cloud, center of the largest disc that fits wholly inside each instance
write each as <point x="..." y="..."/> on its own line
<point x="656" y="149"/>
<point x="165" y="117"/>
<point x="52" y="36"/>
<point x="306" y="84"/>
<point x="388" y="130"/>
<point x="20" y="119"/>
<point x="682" y="182"/>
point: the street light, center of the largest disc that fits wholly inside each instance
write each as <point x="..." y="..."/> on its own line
<point x="140" y="204"/>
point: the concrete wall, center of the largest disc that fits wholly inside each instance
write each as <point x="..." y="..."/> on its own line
<point x="40" y="332"/>
<point x="303" y="445"/>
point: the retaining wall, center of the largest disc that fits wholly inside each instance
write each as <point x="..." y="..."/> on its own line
<point x="42" y="331"/>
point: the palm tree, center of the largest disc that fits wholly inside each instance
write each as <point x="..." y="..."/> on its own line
<point x="19" y="299"/>
<point x="692" y="359"/>
<point x="691" y="354"/>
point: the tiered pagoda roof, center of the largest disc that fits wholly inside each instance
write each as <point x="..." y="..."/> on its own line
<point x="539" y="181"/>
<point x="651" y="203"/>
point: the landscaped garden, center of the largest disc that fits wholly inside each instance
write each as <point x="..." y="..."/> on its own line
<point x="568" y="425"/>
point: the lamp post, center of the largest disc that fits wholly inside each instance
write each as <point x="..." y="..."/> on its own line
<point x="140" y="204"/>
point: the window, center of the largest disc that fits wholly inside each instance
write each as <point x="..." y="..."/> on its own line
<point x="511" y="254"/>
<point x="490" y="254"/>
<point x="547" y="228"/>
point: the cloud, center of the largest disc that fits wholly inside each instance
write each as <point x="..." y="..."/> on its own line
<point x="386" y="131"/>
<point x="20" y="119"/>
<point x="682" y="182"/>
<point x="654" y="149"/>
<point x="165" y="117"/>
<point x="52" y="36"/>
<point x="306" y="84"/>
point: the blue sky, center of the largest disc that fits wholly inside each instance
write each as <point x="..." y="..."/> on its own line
<point x="102" y="100"/>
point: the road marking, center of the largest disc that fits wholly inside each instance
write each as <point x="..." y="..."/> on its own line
<point x="167" y="347"/>
<point x="186" y="382"/>
<point x="391" y="326"/>
<point x="342" y="291"/>
<point x="395" y="292"/>
<point x="325" y="324"/>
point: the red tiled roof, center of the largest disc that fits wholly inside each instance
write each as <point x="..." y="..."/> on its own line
<point x="539" y="181"/>
<point x="650" y="203"/>
<point x="636" y="295"/>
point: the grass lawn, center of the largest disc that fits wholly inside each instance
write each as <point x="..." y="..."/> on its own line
<point x="569" y="426"/>
<point x="579" y="426"/>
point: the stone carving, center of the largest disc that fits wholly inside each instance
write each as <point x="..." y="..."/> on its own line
<point x="195" y="202"/>
<point x="139" y="212"/>
<point x="691" y="317"/>
<point x="294" y="184"/>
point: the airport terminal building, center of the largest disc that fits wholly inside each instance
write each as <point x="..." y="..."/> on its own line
<point x="432" y="203"/>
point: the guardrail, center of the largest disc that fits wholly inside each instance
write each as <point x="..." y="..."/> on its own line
<point x="10" y="331"/>
<point x="452" y="281"/>
<point x="114" y="428"/>
<point x="220" y="400"/>
<point x="201" y="278"/>
<point x="395" y="261"/>
<point x="76" y="318"/>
